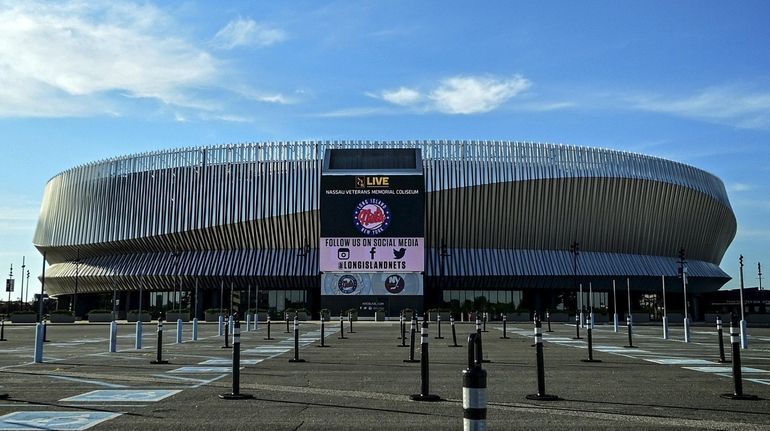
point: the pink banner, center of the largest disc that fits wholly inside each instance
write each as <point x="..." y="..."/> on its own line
<point x="372" y="254"/>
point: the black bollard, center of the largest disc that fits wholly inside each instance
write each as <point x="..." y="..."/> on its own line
<point x="350" y="320"/>
<point x="268" y="329"/>
<point x="629" y="325"/>
<point x="424" y="394"/>
<point x="159" y="351"/>
<point x="478" y="340"/>
<point x="403" y="331"/>
<point x="548" y="319"/>
<point x="2" y="329"/>
<point x="227" y="335"/>
<point x="286" y="315"/>
<point x="484" y="327"/>
<point x="412" y="330"/>
<point x="735" y="341"/>
<point x="454" y="332"/>
<point x="589" y="330"/>
<point x="721" y="342"/>
<point x="438" y="325"/>
<point x="236" y="392"/>
<point x="540" y="395"/>
<point x="296" y="342"/>
<point x="323" y="336"/>
<point x="505" y="330"/>
<point x="342" y="328"/>
<point x="474" y="390"/>
<point x="577" y="326"/>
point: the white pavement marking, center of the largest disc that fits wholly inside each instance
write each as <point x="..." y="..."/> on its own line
<point x="201" y="370"/>
<point x="125" y="395"/>
<point x="679" y="361"/>
<point x="760" y="381"/>
<point x="725" y="369"/>
<point x="90" y="382"/>
<point x="52" y="420"/>
<point x="230" y="361"/>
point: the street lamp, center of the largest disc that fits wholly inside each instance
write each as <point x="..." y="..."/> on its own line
<point x="683" y="272"/>
<point x="744" y="329"/>
<point x="575" y="250"/>
<point x="759" y="275"/>
<point x="27" y="294"/>
<point x="21" y="296"/>
<point x="9" y="289"/>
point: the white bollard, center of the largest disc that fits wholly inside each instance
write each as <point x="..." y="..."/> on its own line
<point x="113" y="337"/>
<point x="665" y="328"/>
<point x="179" y="326"/>
<point x="686" y="329"/>
<point x="138" y="336"/>
<point x="256" y="321"/>
<point x="195" y="329"/>
<point x="744" y="334"/>
<point x="38" y="344"/>
<point x="615" y="321"/>
<point x="248" y="322"/>
<point x="221" y="322"/>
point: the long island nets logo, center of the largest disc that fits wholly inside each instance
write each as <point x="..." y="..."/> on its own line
<point x="371" y="216"/>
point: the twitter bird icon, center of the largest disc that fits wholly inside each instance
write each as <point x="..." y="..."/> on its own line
<point x="399" y="254"/>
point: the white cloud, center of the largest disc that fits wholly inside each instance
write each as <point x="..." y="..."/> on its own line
<point x="738" y="106"/>
<point x="472" y="95"/>
<point x="738" y="187"/>
<point x="82" y="58"/>
<point x="402" y="96"/>
<point x="463" y="95"/>
<point x="247" y="32"/>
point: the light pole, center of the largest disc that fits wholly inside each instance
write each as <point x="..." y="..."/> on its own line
<point x="744" y="328"/>
<point x="9" y="289"/>
<point x="21" y="296"/>
<point x="575" y="250"/>
<point x="177" y="286"/>
<point x="628" y="287"/>
<point x="442" y="254"/>
<point x="42" y="291"/>
<point x="683" y="271"/>
<point x="665" y="315"/>
<point x="759" y="275"/>
<point x="27" y="293"/>
<point x="615" y="306"/>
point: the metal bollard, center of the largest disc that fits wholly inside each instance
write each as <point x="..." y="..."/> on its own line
<point x="615" y="322"/>
<point x="424" y="394"/>
<point x="113" y="337"/>
<point x="38" y="358"/>
<point x="403" y="331"/>
<point x="400" y="324"/>
<point x="256" y="321"/>
<point x="323" y="335"/>
<point x="577" y="327"/>
<point x="686" y="325"/>
<point x="744" y="334"/>
<point x="721" y="341"/>
<point x="474" y="390"/>
<point x="478" y="341"/>
<point x="268" y="329"/>
<point x="248" y="322"/>
<point x="505" y="328"/>
<point x="350" y="321"/>
<point x="227" y="335"/>
<point x="589" y="331"/>
<point x="159" y="351"/>
<point x="540" y="395"/>
<point x="2" y="329"/>
<point x="45" y="331"/>
<point x="342" y="328"/>
<point x="735" y="341"/>
<point x="296" y="342"/>
<point x="195" y="329"/>
<point x="286" y="315"/>
<point x="484" y="323"/>
<point x="236" y="392"/>
<point x="438" y="324"/>
<point x="138" y="335"/>
<point x="221" y="324"/>
<point x="665" y="327"/>
<point x="454" y="332"/>
<point x="179" y="328"/>
<point x="548" y="319"/>
<point x="629" y="325"/>
<point x="412" y="331"/>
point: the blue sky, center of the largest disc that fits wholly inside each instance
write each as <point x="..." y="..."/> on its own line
<point x="87" y="80"/>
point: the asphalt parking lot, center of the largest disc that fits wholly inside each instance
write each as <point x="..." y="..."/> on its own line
<point x="362" y="382"/>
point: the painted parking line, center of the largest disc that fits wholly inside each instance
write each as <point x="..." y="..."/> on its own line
<point x="679" y="361"/>
<point x="725" y="369"/>
<point x="760" y="381"/>
<point x="230" y="361"/>
<point x="53" y="420"/>
<point x="125" y="395"/>
<point x="87" y="381"/>
<point x="201" y="370"/>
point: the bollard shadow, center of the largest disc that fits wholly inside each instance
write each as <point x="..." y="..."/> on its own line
<point x="353" y="407"/>
<point x="731" y="410"/>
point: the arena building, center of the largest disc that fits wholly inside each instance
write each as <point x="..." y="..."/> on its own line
<point x="382" y="225"/>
